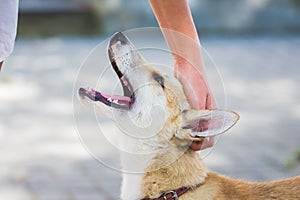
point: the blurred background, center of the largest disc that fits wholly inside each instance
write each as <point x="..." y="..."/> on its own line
<point x="255" y="45"/>
<point x="96" y="17"/>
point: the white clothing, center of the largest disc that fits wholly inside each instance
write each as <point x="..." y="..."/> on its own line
<point x="8" y="26"/>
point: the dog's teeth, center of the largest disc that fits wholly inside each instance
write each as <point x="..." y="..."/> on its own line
<point x="109" y="99"/>
<point x="115" y="101"/>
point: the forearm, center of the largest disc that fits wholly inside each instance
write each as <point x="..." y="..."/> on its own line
<point x="177" y="16"/>
<point x="175" y="19"/>
<point x="177" y="24"/>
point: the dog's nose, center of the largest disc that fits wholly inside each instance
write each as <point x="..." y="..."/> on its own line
<point x="82" y="92"/>
<point x="118" y="37"/>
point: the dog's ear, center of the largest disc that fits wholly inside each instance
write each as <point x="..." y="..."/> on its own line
<point x="204" y="123"/>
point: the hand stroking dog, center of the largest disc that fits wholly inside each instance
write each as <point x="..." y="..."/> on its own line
<point x="160" y="125"/>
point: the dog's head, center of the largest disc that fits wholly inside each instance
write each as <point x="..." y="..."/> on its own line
<point x="153" y="104"/>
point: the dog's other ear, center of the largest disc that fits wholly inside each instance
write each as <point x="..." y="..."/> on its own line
<point x="204" y="123"/>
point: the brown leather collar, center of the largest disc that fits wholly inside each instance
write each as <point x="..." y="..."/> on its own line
<point x="172" y="195"/>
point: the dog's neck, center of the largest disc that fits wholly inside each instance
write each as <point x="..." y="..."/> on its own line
<point x="187" y="170"/>
<point x="166" y="170"/>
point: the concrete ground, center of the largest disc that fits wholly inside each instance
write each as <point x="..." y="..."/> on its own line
<point x="42" y="157"/>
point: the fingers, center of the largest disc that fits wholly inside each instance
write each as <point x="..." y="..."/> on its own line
<point x="206" y="143"/>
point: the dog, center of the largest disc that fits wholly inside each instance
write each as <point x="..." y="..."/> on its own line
<point x="160" y="125"/>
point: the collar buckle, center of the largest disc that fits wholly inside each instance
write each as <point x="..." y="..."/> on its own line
<point x="171" y="195"/>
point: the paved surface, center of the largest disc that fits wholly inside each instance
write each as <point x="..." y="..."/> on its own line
<point x="42" y="157"/>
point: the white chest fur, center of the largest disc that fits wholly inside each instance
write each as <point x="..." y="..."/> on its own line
<point x="134" y="161"/>
<point x="131" y="186"/>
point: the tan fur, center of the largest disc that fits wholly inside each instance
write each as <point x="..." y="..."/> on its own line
<point x="189" y="170"/>
<point x="174" y="165"/>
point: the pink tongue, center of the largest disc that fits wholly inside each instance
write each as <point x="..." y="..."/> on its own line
<point x="121" y="99"/>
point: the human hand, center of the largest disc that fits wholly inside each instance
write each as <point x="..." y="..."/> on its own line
<point x="197" y="93"/>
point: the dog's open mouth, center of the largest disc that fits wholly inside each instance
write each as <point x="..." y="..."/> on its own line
<point x="116" y="101"/>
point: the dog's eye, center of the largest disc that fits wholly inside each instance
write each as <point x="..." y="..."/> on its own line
<point x="159" y="79"/>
